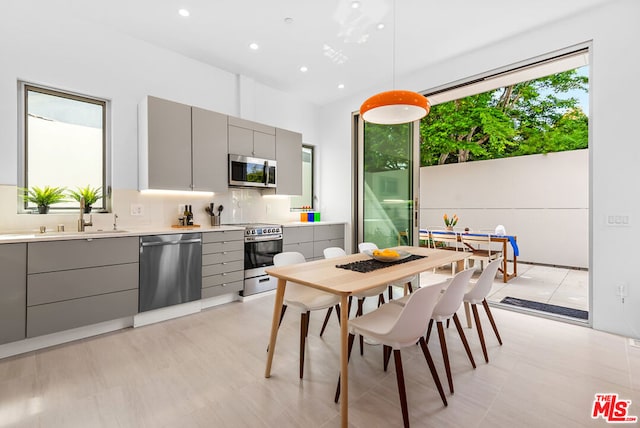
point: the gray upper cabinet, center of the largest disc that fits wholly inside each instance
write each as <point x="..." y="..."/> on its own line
<point x="289" y="158"/>
<point x="13" y="285"/>
<point x="252" y="139"/>
<point x="209" y="144"/>
<point x="165" y="145"/>
<point x="181" y="147"/>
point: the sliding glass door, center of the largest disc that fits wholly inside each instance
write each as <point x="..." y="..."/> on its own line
<point x="387" y="183"/>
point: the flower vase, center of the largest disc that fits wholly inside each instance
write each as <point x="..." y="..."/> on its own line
<point x="449" y="228"/>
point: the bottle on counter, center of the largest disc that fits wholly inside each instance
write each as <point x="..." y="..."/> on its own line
<point x="185" y="215"/>
<point x="190" y="217"/>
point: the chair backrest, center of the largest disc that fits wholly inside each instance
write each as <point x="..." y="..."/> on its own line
<point x="288" y="258"/>
<point x="482" y="287"/>
<point x="364" y="246"/>
<point x="450" y="238"/>
<point x="451" y="300"/>
<point x="332" y="252"/>
<point x="479" y="242"/>
<point x="415" y="315"/>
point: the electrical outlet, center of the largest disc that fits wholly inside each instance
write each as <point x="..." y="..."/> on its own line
<point x="137" y="209"/>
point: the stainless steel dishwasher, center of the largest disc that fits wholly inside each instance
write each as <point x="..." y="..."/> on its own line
<point x="170" y="270"/>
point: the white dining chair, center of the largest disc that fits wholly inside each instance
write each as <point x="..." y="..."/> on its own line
<point x="478" y="294"/>
<point x="445" y="310"/>
<point x="305" y="299"/>
<point x="396" y="327"/>
<point x="404" y="283"/>
<point x="361" y="296"/>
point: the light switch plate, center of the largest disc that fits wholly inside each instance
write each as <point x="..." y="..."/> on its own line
<point x="618" y="220"/>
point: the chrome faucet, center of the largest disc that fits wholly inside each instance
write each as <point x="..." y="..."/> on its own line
<point x="81" y="223"/>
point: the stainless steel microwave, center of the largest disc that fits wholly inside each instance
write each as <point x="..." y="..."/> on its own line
<point x="245" y="171"/>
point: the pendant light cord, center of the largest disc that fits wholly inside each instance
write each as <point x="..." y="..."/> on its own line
<point x="393" y="44"/>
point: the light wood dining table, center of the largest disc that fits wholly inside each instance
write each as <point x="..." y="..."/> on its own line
<point x="324" y="275"/>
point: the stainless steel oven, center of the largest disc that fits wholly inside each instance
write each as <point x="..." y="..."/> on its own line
<point x="261" y="243"/>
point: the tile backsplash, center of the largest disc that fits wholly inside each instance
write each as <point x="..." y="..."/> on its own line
<point x="147" y="210"/>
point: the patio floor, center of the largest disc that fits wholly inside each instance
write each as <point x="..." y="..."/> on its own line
<point x="545" y="284"/>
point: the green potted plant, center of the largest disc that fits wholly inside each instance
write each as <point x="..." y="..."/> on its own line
<point x="44" y="197"/>
<point x="90" y="195"/>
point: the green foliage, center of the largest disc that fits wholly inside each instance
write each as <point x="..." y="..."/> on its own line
<point x="45" y="197"/>
<point x="526" y="118"/>
<point x="90" y="194"/>
<point x="387" y="147"/>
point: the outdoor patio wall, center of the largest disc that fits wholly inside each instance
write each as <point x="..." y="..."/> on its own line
<point x="542" y="199"/>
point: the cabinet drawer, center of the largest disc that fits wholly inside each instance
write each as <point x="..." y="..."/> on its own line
<point x="228" y="256"/>
<point x="319" y="246"/>
<point x="218" y="290"/>
<point x="57" y="286"/>
<point x="218" y="247"/>
<point x="81" y="253"/>
<point x="222" y="267"/>
<point x="222" y="236"/>
<point x="59" y="316"/>
<point x="306" y="248"/>
<point x="292" y="235"/>
<point x="328" y="231"/>
<point x="222" y="278"/>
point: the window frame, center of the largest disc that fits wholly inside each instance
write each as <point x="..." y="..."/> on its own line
<point x="24" y="88"/>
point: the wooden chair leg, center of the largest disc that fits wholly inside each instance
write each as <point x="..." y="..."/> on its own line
<point x="456" y="321"/>
<point x="401" y="387"/>
<point x="304" y="326"/>
<point x="359" y="313"/>
<point x="350" y="346"/>
<point x="380" y="299"/>
<point x="491" y="320"/>
<point x="386" y="356"/>
<point x="326" y="320"/>
<point x="429" y="329"/>
<point x="445" y="355"/>
<point x="476" y="317"/>
<point x="409" y="287"/>
<point x="432" y="368"/>
<point x="390" y="293"/>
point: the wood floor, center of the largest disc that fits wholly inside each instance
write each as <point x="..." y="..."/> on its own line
<point x="207" y="370"/>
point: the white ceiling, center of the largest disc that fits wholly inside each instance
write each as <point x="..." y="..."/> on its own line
<point x="337" y="43"/>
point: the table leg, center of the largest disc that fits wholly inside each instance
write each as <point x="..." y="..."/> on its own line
<point x="277" y="309"/>
<point x="344" y="360"/>
<point x="467" y="313"/>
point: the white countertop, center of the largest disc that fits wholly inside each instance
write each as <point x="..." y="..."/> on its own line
<point x="30" y="236"/>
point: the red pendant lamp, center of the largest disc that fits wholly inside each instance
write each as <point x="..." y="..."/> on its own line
<point x="396" y="106"/>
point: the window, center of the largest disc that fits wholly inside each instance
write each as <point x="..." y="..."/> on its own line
<point x="306" y="199"/>
<point x="64" y="143"/>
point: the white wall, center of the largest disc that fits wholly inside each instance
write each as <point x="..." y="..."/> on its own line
<point x="542" y="199"/>
<point x="614" y="149"/>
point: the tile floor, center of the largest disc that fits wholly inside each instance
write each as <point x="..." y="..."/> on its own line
<point x="207" y="370"/>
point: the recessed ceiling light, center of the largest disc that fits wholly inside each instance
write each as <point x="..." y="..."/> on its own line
<point x="380" y="26"/>
<point x="184" y="12"/>
<point x="288" y="20"/>
<point x="355" y="4"/>
<point x="341" y="86"/>
<point x="304" y="69"/>
<point x="254" y="46"/>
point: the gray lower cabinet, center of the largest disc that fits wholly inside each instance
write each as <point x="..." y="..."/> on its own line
<point x="222" y="262"/>
<point x="13" y="289"/>
<point x="80" y="282"/>
<point x="312" y="240"/>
